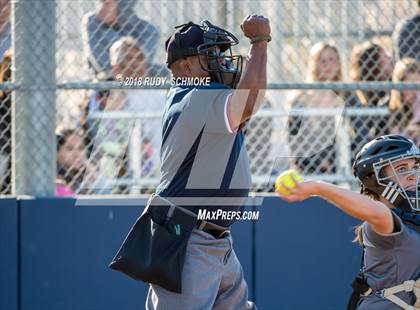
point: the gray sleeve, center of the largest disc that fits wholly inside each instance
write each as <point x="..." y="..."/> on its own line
<point x="373" y="238"/>
<point x="217" y="118"/>
<point x="210" y="108"/>
<point x="96" y="44"/>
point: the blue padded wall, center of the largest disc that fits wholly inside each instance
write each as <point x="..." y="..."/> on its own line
<point x="65" y="255"/>
<point x="304" y="256"/>
<point x="8" y="254"/>
<point x="296" y="256"/>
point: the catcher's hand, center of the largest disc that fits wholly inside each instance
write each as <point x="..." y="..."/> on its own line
<point x="301" y="192"/>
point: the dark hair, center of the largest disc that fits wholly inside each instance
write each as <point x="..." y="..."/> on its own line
<point x="70" y="176"/>
<point x="365" y="62"/>
<point x="401" y="111"/>
<point x="365" y="65"/>
<point x="63" y="135"/>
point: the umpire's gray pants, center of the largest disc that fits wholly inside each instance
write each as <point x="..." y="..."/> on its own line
<point x="212" y="278"/>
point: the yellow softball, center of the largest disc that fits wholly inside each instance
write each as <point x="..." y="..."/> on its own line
<point x="287" y="178"/>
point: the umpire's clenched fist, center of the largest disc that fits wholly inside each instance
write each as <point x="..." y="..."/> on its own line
<point x="255" y="25"/>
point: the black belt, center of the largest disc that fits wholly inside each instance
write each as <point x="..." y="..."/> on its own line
<point x="160" y="209"/>
<point x="216" y="231"/>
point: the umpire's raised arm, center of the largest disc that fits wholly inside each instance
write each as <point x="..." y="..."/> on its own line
<point x="251" y="87"/>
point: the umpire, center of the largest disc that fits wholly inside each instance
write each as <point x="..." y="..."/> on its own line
<point x="204" y="162"/>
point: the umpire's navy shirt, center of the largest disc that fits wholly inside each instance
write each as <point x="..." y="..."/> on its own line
<point x="204" y="163"/>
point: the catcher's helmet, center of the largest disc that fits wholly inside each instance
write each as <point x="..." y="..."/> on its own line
<point x="386" y="151"/>
<point x="212" y="42"/>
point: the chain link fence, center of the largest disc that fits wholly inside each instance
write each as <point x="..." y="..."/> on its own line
<point x="340" y="72"/>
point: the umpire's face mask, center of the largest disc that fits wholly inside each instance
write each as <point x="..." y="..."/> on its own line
<point x="224" y="67"/>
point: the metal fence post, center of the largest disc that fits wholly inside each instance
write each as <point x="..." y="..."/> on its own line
<point x="34" y="111"/>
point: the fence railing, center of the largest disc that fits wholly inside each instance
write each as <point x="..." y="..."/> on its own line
<point x="137" y="183"/>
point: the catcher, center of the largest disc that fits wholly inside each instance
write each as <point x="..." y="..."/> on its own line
<point x="388" y="168"/>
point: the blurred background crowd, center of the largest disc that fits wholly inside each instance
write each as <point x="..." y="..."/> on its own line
<point x="108" y="140"/>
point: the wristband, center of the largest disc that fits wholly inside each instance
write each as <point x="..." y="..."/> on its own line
<point x="260" y="38"/>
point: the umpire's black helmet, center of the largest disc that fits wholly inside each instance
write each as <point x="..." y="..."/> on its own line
<point x="191" y="39"/>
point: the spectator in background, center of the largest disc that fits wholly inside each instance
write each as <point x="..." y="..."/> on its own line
<point x="369" y="63"/>
<point x="115" y="19"/>
<point x="5" y="125"/>
<point x="128" y="59"/>
<point x="5" y="37"/>
<point x="108" y="139"/>
<point x="311" y="138"/>
<point x="413" y="128"/>
<point x="72" y="163"/>
<point x="405" y="105"/>
<point x="406" y="37"/>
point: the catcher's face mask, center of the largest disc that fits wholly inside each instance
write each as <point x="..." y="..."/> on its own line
<point x="222" y="65"/>
<point x="400" y="175"/>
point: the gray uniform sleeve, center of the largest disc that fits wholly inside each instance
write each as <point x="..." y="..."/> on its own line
<point x="209" y="107"/>
<point x="372" y="238"/>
